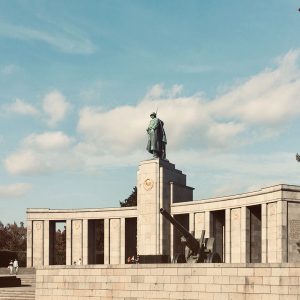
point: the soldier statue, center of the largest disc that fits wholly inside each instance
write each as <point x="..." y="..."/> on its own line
<point x="157" y="139"/>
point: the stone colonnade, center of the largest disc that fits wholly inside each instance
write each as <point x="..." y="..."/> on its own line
<point x="260" y="226"/>
<point x="273" y="230"/>
<point x="40" y="245"/>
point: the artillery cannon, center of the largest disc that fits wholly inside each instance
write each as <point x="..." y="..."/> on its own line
<point x="196" y="251"/>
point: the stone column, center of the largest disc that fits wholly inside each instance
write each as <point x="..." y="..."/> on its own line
<point x="199" y="221"/>
<point x="85" y="237"/>
<point x="106" y="241"/>
<point x="272" y="232"/>
<point x="68" y="242"/>
<point x="264" y="241"/>
<point x="122" y="250"/>
<point x="227" y="236"/>
<point x="38" y="243"/>
<point x="235" y="235"/>
<point x="171" y="230"/>
<point x="76" y="240"/>
<point x="245" y="234"/>
<point x="46" y="243"/>
<point x="281" y="231"/>
<point x="192" y="223"/>
<point x="29" y="243"/>
<point x="114" y="241"/>
<point x="207" y="224"/>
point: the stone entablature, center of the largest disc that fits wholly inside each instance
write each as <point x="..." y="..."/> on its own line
<point x="84" y="213"/>
<point x="280" y="192"/>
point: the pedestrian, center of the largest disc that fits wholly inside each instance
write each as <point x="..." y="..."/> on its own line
<point x="10" y="267"/>
<point x="79" y="262"/>
<point x="16" y="266"/>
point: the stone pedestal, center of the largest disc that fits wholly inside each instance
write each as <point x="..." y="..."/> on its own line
<point x="156" y="179"/>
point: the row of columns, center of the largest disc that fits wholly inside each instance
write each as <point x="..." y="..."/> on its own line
<point x="273" y="232"/>
<point x="236" y="246"/>
<point x="38" y="241"/>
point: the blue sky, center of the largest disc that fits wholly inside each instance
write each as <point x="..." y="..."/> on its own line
<point x="78" y="80"/>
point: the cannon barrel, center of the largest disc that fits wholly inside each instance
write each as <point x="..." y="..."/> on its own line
<point x="191" y="242"/>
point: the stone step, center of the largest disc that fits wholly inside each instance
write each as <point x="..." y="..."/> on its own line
<point x="13" y="297"/>
<point x="16" y="293"/>
<point x="26" y="291"/>
<point x="4" y="294"/>
<point x="5" y="271"/>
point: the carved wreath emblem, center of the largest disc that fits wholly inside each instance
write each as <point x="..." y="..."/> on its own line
<point x="77" y="225"/>
<point x="38" y="226"/>
<point x="236" y="214"/>
<point x="148" y="184"/>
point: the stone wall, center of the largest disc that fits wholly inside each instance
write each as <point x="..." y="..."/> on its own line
<point x="170" y="281"/>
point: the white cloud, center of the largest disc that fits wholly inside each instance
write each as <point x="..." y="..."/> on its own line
<point x="42" y="153"/>
<point x="55" y="107"/>
<point x="250" y="111"/>
<point x="26" y="162"/>
<point x="21" y="107"/>
<point x="14" y="190"/>
<point x="64" y="38"/>
<point x="197" y="128"/>
<point x="270" y="97"/>
<point x="155" y="92"/>
<point x="48" y="141"/>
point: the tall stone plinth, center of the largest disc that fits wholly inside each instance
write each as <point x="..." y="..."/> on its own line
<point x="158" y="184"/>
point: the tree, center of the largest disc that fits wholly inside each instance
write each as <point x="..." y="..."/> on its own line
<point x="60" y="247"/>
<point x="4" y="236"/>
<point x="131" y="200"/>
<point x="13" y="237"/>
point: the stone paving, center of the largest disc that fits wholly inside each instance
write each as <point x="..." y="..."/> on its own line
<point x="25" y="292"/>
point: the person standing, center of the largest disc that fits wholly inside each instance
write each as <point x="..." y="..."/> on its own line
<point x="10" y="267"/>
<point x="16" y="266"/>
<point x="157" y="139"/>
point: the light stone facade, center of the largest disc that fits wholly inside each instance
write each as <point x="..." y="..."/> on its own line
<point x="170" y="281"/>
<point x="261" y="226"/>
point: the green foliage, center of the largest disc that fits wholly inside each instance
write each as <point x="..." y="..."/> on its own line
<point x="131" y="200"/>
<point x="60" y="247"/>
<point x="13" y="239"/>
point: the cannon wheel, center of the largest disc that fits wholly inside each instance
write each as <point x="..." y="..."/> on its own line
<point x="179" y="258"/>
<point x="213" y="257"/>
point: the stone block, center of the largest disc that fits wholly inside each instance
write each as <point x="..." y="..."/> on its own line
<point x="221" y="279"/>
<point x="230" y="271"/>
<point x="229" y="288"/>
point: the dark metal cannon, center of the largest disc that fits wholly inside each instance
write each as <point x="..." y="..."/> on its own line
<point x="196" y="251"/>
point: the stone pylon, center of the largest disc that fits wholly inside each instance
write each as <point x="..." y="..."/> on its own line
<point x="159" y="184"/>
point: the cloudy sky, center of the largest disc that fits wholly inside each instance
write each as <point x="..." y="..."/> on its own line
<point x="78" y="80"/>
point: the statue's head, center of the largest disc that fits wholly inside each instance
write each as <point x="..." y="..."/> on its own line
<point x="153" y="115"/>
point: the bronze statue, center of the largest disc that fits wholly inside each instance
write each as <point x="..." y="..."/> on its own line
<point x="157" y="139"/>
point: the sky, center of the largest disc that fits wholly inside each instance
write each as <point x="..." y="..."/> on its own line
<point x="79" y="79"/>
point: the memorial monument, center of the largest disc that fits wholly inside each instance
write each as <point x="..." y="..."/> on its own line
<point x="260" y="227"/>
